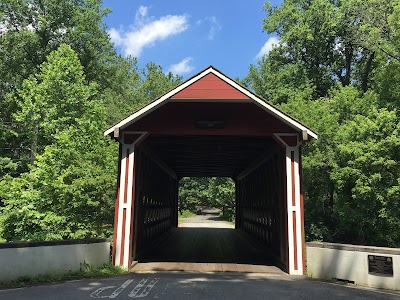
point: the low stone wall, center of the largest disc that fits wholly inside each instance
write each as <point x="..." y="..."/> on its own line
<point x="375" y="267"/>
<point x="51" y="257"/>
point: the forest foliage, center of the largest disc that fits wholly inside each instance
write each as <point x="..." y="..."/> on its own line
<point x="336" y="68"/>
<point x="196" y="193"/>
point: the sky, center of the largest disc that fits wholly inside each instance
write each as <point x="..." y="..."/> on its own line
<point x="185" y="36"/>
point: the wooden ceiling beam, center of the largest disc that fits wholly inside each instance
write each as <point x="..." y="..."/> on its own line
<point x="209" y="156"/>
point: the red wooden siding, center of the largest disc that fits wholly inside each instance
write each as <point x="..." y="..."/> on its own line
<point x="126" y="176"/>
<point x="293" y="180"/>
<point x="131" y="138"/>
<point x="123" y="237"/>
<point x="295" y="241"/>
<point x="239" y="119"/>
<point x="291" y="141"/>
<point x="210" y="87"/>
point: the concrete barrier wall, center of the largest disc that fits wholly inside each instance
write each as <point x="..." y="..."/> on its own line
<point x="350" y="263"/>
<point x="51" y="257"/>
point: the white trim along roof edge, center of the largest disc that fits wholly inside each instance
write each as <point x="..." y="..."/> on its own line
<point x="165" y="99"/>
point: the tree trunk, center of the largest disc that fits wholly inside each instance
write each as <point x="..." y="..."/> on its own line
<point x="367" y="71"/>
<point x="34" y="145"/>
<point x="348" y="60"/>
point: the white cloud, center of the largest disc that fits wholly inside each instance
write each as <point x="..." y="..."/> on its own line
<point x="182" y="67"/>
<point x="142" y="12"/>
<point x="115" y="36"/>
<point x="268" y="46"/>
<point x="145" y="32"/>
<point x="214" y="26"/>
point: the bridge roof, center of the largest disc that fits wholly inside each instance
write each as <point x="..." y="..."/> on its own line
<point x="212" y="86"/>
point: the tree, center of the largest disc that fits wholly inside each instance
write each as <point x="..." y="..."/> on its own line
<point x="45" y="97"/>
<point x="40" y="26"/>
<point x="53" y="100"/>
<point x="222" y="190"/>
<point x="368" y="179"/>
<point x="336" y="69"/>
<point x="324" y="37"/>
<point x="134" y="88"/>
<point x="379" y="26"/>
<point x="194" y="192"/>
<point x="218" y="192"/>
<point x="30" y="31"/>
<point x="69" y="191"/>
<point x="278" y="78"/>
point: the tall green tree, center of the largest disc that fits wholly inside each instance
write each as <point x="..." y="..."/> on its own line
<point x="278" y="78"/>
<point x="379" y="25"/>
<point x="134" y="88"/>
<point x="69" y="192"/>
<point x="193" y="193"/>
<point x="217" y="192"/>
<point x="30" y="31"/>
<point x="40" y="26"/>
<point x="367" y="174"/>
<point x="336" y="68"/>
<point x="222" y="192"/>
<point x="52" y="100"/>
<point x="326" y="39"/>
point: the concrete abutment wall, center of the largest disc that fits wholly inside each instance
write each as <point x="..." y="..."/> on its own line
<point x="351" y="263"/>
<point x="51" y="257"/>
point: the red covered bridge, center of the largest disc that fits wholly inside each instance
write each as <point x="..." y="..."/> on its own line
<point x="210" y="126"/>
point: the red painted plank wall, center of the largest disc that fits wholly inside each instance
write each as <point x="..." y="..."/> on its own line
<point x="239" y="118"/>
<point x="210" y="87"/>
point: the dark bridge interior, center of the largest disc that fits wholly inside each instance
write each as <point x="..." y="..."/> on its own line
<point x="210" y="156"/>
<point x="256" y="164"/>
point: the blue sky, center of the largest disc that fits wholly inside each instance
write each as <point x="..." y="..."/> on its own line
<point x="186" y="36"/>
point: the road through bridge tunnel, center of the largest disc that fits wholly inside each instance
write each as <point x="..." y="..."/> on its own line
<point x="210" y="126"/>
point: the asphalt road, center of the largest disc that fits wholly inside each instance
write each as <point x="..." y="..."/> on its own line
<point x="196" y="286"/>
<point x="209" y="218"/>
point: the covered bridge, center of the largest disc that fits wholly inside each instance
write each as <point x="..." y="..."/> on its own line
<point x="210" y="126"/>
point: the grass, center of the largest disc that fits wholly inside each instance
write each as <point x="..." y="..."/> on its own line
<point x="227" y="218"/>
<point x="88" y="272"/>
<point x="186" y="214"/>
<point x="2" y="220"/>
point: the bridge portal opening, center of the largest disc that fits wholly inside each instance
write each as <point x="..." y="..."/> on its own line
<point x="205" y="237"/>
<point x="255" y="165"/>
